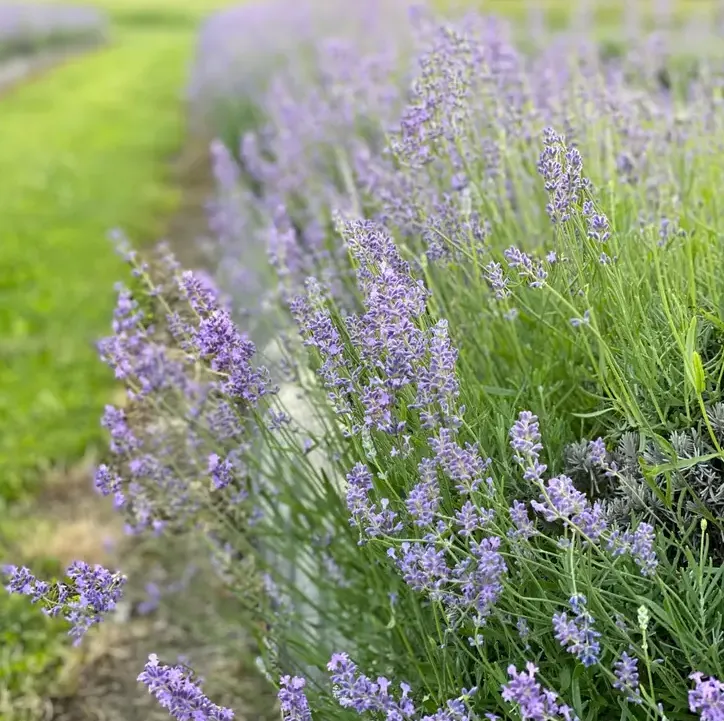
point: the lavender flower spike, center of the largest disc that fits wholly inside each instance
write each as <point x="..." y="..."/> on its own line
<point x="293" y="702"/>
<point x="533" y="702"/>
<point x="177" y="690"/>
<point x="707" y="697"/>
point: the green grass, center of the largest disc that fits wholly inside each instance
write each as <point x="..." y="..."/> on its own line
<point x="84" y="150"/>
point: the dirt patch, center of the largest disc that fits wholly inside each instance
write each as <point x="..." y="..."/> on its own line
<point x="188" y="230"/>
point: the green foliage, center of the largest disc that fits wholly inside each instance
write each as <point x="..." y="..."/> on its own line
<point x="97" y="161"/>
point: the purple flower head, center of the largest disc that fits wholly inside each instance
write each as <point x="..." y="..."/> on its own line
<point x="525" y="441"/>
<point x="375" y="520"/>
<point x="707" y="697"/>
<point x="524" y="528"/>
<point x="90" y="593"/>
<point x="532" y="701"/>
<point x="470" y="519"/>
<point x="625" y="668"/>
<point x="639" y="544"/>
<point x="497" y="280"/>
<point x="293" y="702"/>
<point x="180" y="693"/>
<point x="356" y="691"/>
<point x="218" y="341"/>
<point x="423" y="500"/>
<point x="561" y="168"/>
<point x="221" y="472"/>
<point x="463" y="466"/>
<point x="560" y="500"/>
<point x="578" y="635"/>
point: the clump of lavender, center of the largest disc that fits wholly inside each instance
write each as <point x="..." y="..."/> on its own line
<point x="560" y="500"/>
<point x="177" y="690"/>
<point x="356" y="691"/>
<point x="87" y="595"/>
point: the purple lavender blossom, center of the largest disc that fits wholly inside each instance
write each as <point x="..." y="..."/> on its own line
<point x="577" y="634"/>
<point x="108" y="483"/>
<point x="437" y="382"/>
<point x="532" y="701"/>
<point x="525" y="441"/>
<point x="497" y="280"/>
<point x="524" y="528"/>
<point x="470" y="519"/>
<point x="424" y="499"/>
<point x="561" y="169"/>
<point x="707" y="697"/>
<point x="639" y="544"/>
<point x="220" y="471"/>
<point x="463" y="466"/>
<point x="217" y="340"/>
<point x="89" y="593"/>
<point x="597" y="453"/>
<point x="374" y="520"/>
<point x="180" y="693"/>
<point x="423" y="566"/>
<point x="356" y="691"/>
<point x="293" y="702"/>
<point x="625" y="668"/>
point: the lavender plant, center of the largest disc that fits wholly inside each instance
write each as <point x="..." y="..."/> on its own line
<point x="491" y="269"/>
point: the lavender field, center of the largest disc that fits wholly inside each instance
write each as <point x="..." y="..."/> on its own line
<point x="417" y="408"/>
<point x="30" y="28"/>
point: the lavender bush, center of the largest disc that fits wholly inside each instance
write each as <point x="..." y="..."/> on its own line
<point x="28" y="28"/>
<point x="473" y="469"/>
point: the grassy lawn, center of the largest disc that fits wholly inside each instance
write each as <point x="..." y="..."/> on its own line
<point x="84" y="149"/>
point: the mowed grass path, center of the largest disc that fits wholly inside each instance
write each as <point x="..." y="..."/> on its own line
<point x="82" y="150"/>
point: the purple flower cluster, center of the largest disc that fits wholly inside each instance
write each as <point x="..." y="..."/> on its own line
<point x="218" y="341"/>
<point x="89" y="593"/>
<point x="423" y="500"/>
<point x="180" y="693"/>
<point x="525" y="440"/>
<point x="625" y="668"/>
<point x="354" y="690"/>
<point x="532" y="270"/>
<point x="560" y="500"/>
<point x="577" y="634"/>
<point x="639" y="544"/>
<point x="531" y="700"/>
<point x="373" y="519"/>
<point x="471" y="584"/>
<point x="292" y="701"/>
<point x="464" y="466"/>
<point x="561" y="169"/>
<point x="707" y="697"/>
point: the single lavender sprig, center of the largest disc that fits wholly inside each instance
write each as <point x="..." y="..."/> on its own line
<point x="578" y="635"/>
<point x="625" y="668"/>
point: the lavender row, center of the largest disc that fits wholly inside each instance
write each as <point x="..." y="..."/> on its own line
<point x="474" y="472"/>
<point x="27" y="28"/>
